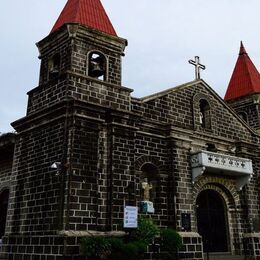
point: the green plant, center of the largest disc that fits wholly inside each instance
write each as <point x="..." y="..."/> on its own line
<point x="117" y="248"/>
<point x="171" y="242"/>
<point x="130" y="251"/>
<point x="134" y="250"/>
<point x="116" y="244"/>
<point x="140" y="246"/>
<point x="126" y="251"/>
<point x="145" y="232"/>
<point x="95" y="246"/>
<point x="122" y="249"/>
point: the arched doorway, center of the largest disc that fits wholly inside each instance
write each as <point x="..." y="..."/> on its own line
<point x="212" y="221"/>
<point x="4" y="196"/>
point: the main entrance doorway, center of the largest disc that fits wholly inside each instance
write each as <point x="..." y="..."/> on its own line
<point x="4" y="196"/>
<point x="212" y="222"/>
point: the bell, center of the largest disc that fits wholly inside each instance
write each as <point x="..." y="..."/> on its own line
<point x="96" y="67"/>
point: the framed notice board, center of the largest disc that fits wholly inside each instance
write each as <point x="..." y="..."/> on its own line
<point x="186" y="222"/>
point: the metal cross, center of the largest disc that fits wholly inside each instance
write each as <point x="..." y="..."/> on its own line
<point x="198" y="66"/>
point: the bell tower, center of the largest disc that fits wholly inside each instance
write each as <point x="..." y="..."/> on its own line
<point x="243" y="92"/>
<point x="82" y="41"/>
<point x="62" y="171"/>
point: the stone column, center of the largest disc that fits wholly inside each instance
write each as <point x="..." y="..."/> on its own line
<point x="184" y="199"/>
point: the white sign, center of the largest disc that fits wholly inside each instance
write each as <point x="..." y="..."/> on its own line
<point x="130" y="217"/>
<point x="147" y="207"/>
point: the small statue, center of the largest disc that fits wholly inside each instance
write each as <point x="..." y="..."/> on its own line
<point x="146" y="187"/>
<point x="201" y="118"/>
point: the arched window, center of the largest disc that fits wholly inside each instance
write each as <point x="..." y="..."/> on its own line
<point x="243" y="116"/>
<point x="97" y="65"/>
<point x="148" y="180"/>
<point x="54" y="66"/>
<point x="204" y="114"/>
<point x="4" y="197"/>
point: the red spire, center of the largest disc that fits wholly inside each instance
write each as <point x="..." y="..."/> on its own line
<point x="245" y="79"/>
<point x="242" y="49"/>
<point x="90" y="13"/>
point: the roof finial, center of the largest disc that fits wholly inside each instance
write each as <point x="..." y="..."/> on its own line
<point x="242" y="49"/>
<point x="198" y="66"/>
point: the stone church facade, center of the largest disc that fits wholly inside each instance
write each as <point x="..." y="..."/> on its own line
<point x="86" y="146"/>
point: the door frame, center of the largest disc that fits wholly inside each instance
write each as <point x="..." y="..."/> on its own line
<point x="226" y="217"/>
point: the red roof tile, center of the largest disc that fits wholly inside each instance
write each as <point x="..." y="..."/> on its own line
<point x="245" y="79"/>
<point x="86" y="12"/>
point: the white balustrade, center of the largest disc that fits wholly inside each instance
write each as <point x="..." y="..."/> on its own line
<point x="221" y="164"/>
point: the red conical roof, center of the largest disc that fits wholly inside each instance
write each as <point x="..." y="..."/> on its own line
<point x="86" y="12"/>
<point x="245" y="79"/>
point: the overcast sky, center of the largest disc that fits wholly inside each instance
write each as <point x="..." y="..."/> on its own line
<point x="162" y="35"/>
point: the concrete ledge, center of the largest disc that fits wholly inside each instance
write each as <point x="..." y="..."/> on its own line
<point x="189" y="234"/>
<point x="72" y="233"/>
<point x="251" y="235"/>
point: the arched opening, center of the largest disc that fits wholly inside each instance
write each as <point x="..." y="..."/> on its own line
<point x="54" y="66"/>
<point x="148" y="179"/>
<point x="243" y="116"/>
<point x="97" y="65"/>
<point x="212" y="221"/>
<point x="204" y="114"/>
<point x="4" y="196"/>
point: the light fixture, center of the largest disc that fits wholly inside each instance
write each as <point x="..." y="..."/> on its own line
<point x="56" y="165"/>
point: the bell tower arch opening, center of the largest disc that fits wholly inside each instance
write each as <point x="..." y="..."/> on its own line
<point x="212" y="221"/>
<point x="4" y="197"/>
<point x="97" y="65"/>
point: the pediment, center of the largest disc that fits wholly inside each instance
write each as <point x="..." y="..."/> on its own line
<point x="179" y="106"/>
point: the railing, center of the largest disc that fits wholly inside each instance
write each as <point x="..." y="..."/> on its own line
<point x="222" y="164"/>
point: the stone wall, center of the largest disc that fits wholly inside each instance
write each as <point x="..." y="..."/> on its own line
<point x="248" y="106"/>
<point x="102" y="140"/>
<point x="179" y="106"/>
<point x="5" y="175"/>
<point x="35" y="207"/>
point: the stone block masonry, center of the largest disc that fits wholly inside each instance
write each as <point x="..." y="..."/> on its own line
<point x="106" y="143"/>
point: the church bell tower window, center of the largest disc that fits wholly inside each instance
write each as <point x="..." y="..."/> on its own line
<point x="54" y="66"/>
<point x="243" y="116"/>
<point x="97" y="65"/>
